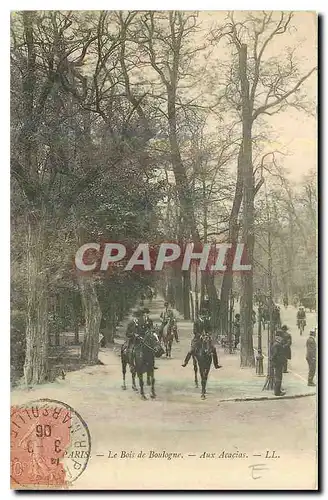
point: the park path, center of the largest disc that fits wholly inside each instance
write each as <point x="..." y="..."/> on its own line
<point x="178" y="421"/>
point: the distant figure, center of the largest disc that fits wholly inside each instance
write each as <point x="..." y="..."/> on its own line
<point x="311" y="356"/>
<point x="301" y="319"/>
<point x="278" y="360"/>
<point x="205" y="305"/>
<point x="287" y="345"/>
<point x="276" y="317"/>
<point x="236" y="329"/>
<point x="253" y="317"/>
<point x="285" y="300"/>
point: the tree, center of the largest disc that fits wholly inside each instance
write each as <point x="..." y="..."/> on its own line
<point x="264" y="86"/>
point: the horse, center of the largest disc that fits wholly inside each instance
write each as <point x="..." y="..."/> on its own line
<point x="203" y="358"/>
<point x="141" y="360"/>
<point x="167" y="337"/>
<point x="174" y="328"/>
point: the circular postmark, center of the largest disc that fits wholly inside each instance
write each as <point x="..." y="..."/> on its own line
<point x="50" y="444"/>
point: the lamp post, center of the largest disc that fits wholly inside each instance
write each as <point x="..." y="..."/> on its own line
<point x="269" y="383"/>
<point x="259" y="357"/>
<point x="230" y="321"/>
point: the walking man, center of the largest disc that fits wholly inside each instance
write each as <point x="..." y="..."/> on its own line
<point x="278" y="360"/>
<point x="311" y="356"/>
<point x="287" y="346"/>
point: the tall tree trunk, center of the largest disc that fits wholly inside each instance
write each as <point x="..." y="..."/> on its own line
<point x="233" y="238"/>
<point x="36" y="358"/>
<point x="247" y="353"/>
<point x="92" y="313"/>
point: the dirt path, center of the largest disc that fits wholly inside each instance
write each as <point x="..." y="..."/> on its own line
<point x="179" y="422"/>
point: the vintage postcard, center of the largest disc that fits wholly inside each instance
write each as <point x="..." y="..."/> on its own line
<point x="164" y="250"/>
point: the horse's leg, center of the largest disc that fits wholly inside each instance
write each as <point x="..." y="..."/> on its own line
<point x="133" y="374"/>
<point x="124" y="363"/>
<point x="203" y="377"/>
<point x="141" y="384"/>
<point x="152" y="377"/>
<point x="194" y="360"/>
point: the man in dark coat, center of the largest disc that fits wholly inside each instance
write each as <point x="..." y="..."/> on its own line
<point x="148" y="322"/>
<point x="287" y="345"/>
<point x="278" y="359"/>
<point x="168" y="317"/>
<point x="134" y="330"/>
<point x="311" y="356"/>
<point x="300" y="316"/>
<point x="276" y="316"/>
<point x="201" y="325"/>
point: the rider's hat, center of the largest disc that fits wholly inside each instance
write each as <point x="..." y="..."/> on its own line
<point x="146" y="310"/>
<point x="284" y="328"/>
<point x="166" y="304"/>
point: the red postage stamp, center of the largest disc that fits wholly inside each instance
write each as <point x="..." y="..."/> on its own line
<point x="50" y="445"/>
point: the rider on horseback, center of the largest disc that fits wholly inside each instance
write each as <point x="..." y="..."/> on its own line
<point x="148" y="322"/>
<point x="201" y="325"/>
<point x="301" y="316"/>
<point x="168" y="318"/>
<point x="135" y="329"/>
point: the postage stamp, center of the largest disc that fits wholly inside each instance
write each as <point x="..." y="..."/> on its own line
<point x="50" y="444"/>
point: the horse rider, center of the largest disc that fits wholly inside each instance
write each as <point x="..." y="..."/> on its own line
<point x="167" y="317"/>
<point x="311" y="356"/>
<point x="148" y="322"/>
<point x="201" y="325"/>
<point x="301" y="315"/>
<point x="278" y="357"/>
<point x="276" y="316"/>
<point x="236" y="328"/>
<point x="287" y="344"/>
<point x="136" y="330"/>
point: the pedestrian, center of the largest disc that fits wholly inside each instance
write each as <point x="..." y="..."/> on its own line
<point x="278" y="359"/>
<point x="236" y="328"/>
<point x="311" y="356"/>
<point x="287" y="346"/>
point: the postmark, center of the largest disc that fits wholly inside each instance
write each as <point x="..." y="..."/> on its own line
<point x="50" y="444"/>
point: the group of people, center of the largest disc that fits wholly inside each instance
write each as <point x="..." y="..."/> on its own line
<point x="281" y="353"/>
<point x="280" y="350"/>
<point x="142" y="324"/>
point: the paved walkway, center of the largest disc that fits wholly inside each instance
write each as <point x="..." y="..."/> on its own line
<point x="230" y="383"/>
